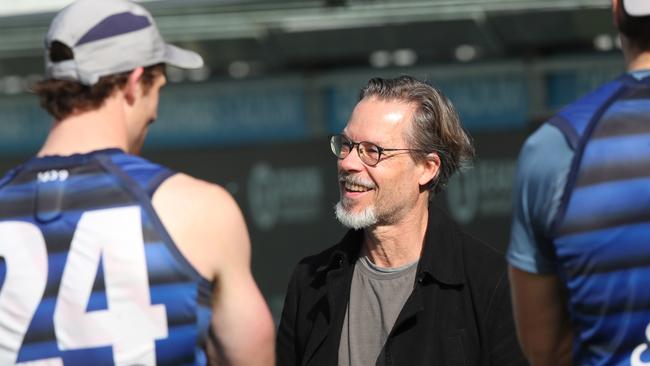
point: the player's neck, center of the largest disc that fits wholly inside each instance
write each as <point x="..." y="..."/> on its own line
<point x="635" y="58"/>
<point x="84" y="132"/>
<point x="640" y="61"/>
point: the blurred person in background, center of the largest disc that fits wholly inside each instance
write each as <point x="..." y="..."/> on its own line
<point x="405" y="286"/>
<point x="580" y="246"/>
<point x="107" y="257"/>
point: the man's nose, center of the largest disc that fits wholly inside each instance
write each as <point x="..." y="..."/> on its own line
<point x="352" y="162"/>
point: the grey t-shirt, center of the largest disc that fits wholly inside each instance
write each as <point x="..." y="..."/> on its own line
<point x="377" y="296"/>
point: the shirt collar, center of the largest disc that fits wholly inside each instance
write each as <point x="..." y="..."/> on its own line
<point x="441" y="256"/>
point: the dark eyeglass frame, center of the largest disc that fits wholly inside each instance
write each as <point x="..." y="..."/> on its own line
<point x="346" y="141"/>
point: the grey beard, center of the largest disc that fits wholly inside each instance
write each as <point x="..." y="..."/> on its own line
<point x="361" y="220"/>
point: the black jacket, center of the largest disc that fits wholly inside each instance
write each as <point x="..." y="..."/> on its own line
<point x="459" y="312"/>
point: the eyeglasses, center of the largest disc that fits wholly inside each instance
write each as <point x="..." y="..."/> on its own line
<point x="369" y="153"/>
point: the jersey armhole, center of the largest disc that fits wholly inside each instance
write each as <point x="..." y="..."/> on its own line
<point x="143" y="197"/>
<point x="157" y="180"/>
<point x="578" y="146"/>
<point x="567" y="130"/>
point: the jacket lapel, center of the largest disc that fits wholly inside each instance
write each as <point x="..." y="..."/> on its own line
<point x="440" y="262"/>
<point x="412" y="306"/>
<point x="328" y="319"/>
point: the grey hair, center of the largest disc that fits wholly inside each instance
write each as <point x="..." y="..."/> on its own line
<point x="435" y="127"/>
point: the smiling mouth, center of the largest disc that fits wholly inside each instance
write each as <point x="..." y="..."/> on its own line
<point x="353" y="187"/>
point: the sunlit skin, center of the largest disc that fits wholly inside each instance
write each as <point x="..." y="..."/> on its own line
<point x="394" y="186"/>
<point x="121" y="122"/>
<point x="144" y="113"/>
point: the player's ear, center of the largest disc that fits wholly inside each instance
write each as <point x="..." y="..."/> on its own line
<point x="615" y="11"/>
<point x="133" y="84"/>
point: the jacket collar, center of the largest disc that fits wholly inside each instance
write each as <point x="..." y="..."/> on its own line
<point x="442" y="253"/>
<point x="345" y="253"/>
<point x="441" y="257"/>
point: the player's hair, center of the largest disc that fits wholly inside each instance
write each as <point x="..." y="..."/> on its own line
<point x="635" y="29"/>
<point x="62" y="98"/>
<point x="435" y="127"/>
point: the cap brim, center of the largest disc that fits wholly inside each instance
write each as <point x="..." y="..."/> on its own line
<point x="182" y="58"/>
<point x="637" y="8"/>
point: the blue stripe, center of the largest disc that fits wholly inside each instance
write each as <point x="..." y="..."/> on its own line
<point x="42" y="325"/>
<point x="140" y="170"/>
<point x="3" y="271"/>
<point x="180" y="345"/>
<point x="612" y="334"/>
<point x="161" y="266"/>
<point x="179" y="300"/>
<point x="632" y="197"/>
<point x="9" y="176"/>
<point x="174" y="350"/>
<point x="41" y="350"/>
<point x="624" y="108"/>
<point x="115" y="25"/>
<point x="611" y="293"/>
<point x="76" y="184"/>
<point x="18" y="190"/>
<point x="615" y="151"/>
<point x="582" y="253"/>
<point x="99" y="356"/>
<point x="581" y="112"/>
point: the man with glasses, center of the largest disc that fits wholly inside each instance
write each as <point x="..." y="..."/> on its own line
<point x="405" y="286"/>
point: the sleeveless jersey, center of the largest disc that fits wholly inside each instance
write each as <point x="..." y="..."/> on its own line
<point x="601" y="234"/>
<point x="88" y="273"/>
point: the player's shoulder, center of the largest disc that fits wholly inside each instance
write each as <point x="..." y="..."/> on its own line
<point x="548" y="148"/>
<point x="203" y="220"/>
<point x="187" y="190"/>
<point x="545" y="140"/>
<point x="596" y="97"/>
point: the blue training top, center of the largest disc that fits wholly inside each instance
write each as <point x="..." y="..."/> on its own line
<point x="582" y="210"/>
<point x="89" y="274"/>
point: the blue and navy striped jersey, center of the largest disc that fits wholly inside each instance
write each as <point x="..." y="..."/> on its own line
<point x="88" y="273"/>
<point x="602" y="230"/>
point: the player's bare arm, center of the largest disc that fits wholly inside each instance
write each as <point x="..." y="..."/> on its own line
<point x="209" y="229"/>
<point x="542" y="320"/>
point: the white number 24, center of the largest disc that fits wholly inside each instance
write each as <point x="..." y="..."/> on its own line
<point x="130" y="324"/>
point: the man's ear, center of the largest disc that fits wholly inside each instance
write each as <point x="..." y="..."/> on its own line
<point x="132" y="87"/>
<point x="431" y="168"/>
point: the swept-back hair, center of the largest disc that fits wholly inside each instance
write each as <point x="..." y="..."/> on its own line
<point x="435" y="126"/>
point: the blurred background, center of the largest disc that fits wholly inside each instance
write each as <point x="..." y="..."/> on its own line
<point x="281" y="75"/>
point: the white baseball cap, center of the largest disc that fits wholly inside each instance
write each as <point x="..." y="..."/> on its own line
<point x="637" y="8"/>
<point x="109" y="37"/>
